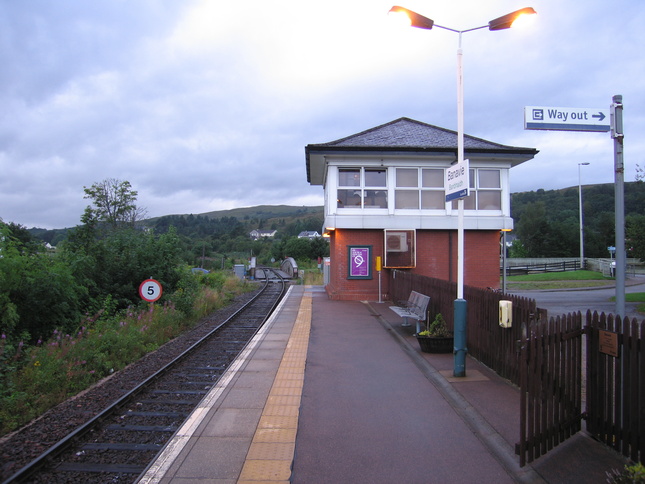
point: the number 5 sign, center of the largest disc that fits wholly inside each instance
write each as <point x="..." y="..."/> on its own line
<point x="150" y="290"/>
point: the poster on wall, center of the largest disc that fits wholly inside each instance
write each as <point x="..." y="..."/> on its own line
<point x="360" y="261"/>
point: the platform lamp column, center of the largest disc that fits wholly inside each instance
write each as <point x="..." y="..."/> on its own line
<point x="582" y="236"/>
<point x="619" y="203"/>
<point x="504" y="261"/>
<point x="460" y="305"/>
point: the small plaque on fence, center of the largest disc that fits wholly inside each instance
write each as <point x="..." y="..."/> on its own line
<point x="608" y="343"/>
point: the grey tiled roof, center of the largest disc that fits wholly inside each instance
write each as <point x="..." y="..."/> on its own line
<point x="407" y="133"/>
<point x="407" y="136"/>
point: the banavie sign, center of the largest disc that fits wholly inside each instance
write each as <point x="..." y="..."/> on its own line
<point x="457" y="181"/>
<point x="566" y="119"/>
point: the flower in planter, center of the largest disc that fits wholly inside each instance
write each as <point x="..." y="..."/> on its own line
<point x="437" y="329"/>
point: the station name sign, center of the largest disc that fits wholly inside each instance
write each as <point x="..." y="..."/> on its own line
<point x="566" y="119"/>
<point x="457" y="181"/>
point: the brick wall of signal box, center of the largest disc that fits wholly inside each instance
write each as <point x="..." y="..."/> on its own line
<point x="436" y="256"/>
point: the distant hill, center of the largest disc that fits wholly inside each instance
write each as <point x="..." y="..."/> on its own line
<point x="263" y="212"/>
<point x="287" y="219"/>
<point x="562" y="207"/>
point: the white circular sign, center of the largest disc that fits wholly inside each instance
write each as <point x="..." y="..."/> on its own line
<point x="150" y="290"/>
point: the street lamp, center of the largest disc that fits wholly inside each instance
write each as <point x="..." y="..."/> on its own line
<point x="504" y="249"/>
<point x="582" y="237"/>
<point x="500" y="23"/>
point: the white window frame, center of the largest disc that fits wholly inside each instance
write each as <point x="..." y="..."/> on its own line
<point x="476" y="189"/>
<point x="363" y="189"/>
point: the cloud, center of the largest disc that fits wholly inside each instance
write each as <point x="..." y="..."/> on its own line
<point x="205" y="105"/>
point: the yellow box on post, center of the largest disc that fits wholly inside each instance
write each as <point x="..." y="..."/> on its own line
<point x="506" y="314"/>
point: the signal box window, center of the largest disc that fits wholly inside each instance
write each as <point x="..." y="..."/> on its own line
<point x="420" y="188"/>
<point x="485" y="190"/>
<point x="362" y="188"/>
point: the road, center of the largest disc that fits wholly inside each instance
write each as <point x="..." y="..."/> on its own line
<point x="569" y="301"/>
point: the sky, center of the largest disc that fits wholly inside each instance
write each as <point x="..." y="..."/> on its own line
<point x="207" y="105"/>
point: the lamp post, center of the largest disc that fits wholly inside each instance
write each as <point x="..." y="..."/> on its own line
<point x="504" y="248"/>
<point x="582" y="236"/>
<point x="460" y="307"/>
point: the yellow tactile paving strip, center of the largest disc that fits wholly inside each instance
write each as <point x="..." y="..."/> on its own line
<point x="271" y="453"/>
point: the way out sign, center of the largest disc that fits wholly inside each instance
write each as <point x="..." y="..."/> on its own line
<point x="457" y="181"/>
<point x="150" y="290"/>
<point x="566" y="119"/>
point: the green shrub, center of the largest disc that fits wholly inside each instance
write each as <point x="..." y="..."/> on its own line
<point x="633" y="474"/>
<point x="33" y="379"/>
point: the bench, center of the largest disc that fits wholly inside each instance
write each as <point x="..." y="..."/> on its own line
<point x="416" y="307"/>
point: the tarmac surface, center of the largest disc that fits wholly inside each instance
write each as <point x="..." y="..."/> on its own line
<point x="339" y="392"/>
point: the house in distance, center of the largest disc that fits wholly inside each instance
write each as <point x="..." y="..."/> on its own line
<point x="384" y="197"/>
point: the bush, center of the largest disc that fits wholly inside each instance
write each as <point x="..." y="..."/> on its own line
<point x="634" y="474"/>
<point x="33" y="379"/>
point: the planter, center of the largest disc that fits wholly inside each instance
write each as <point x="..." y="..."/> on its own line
<point x="432" y="344"/>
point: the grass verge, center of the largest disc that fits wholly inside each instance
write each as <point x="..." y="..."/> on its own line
<point x="557" y="280"/>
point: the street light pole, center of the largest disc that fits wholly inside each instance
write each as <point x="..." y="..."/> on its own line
<point x="460" y="160"/>
<point x="460" y="305"/>
<point x="582" y="237"/>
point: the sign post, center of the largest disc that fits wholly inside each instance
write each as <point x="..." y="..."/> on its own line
<point x="619" y="201"/>
<point x="598" y="120"/>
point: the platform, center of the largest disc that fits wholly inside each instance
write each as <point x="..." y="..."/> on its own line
<point x="338" y="392"/>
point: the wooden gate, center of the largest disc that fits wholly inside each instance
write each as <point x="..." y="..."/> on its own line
<point x="550" y="384"/>
<point x="616" y="384"/>
<point x="552" y="373"/>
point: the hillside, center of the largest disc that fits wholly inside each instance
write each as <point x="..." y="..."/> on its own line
<point x="561" y="213"/>
<point x="260" y="212"/>
<point x="547" y="221"/>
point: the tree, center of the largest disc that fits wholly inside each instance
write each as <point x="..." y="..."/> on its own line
<point x="299" y="249"/>
<point x="635" y="235"/>
<point x="533" y="228"/>
<point x="114" y="204"/>
<point x="38" y="292"/>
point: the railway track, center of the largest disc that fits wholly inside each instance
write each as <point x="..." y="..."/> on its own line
<point x="118" y="444"/>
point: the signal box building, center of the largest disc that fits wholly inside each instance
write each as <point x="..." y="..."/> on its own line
<point x="385" y="197"/>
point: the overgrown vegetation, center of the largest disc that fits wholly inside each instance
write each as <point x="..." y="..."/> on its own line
<point x="33" y="378"/>
<point x="71" y="317"/>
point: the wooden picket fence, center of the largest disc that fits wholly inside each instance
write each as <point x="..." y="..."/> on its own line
<point x="569" y="369"/>
<point x="489" y="343"/>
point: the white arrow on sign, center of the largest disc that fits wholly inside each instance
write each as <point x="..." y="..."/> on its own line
<point x="566" y="119"/>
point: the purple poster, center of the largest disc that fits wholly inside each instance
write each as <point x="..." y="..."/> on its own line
<point x="359" y="262"/>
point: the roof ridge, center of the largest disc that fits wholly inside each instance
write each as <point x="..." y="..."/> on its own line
<point x="435" y="135"/>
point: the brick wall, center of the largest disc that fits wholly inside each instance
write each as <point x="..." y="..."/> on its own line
<point x="436" y="257"/>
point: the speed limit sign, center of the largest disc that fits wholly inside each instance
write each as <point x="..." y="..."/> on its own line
<point x="150" y="290"/>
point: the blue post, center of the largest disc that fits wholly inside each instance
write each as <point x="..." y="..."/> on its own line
<point x="459" y="327"/>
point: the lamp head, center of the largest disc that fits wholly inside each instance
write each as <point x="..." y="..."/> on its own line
<point x="415" y="19"/>
<point x="506" y="21"/>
